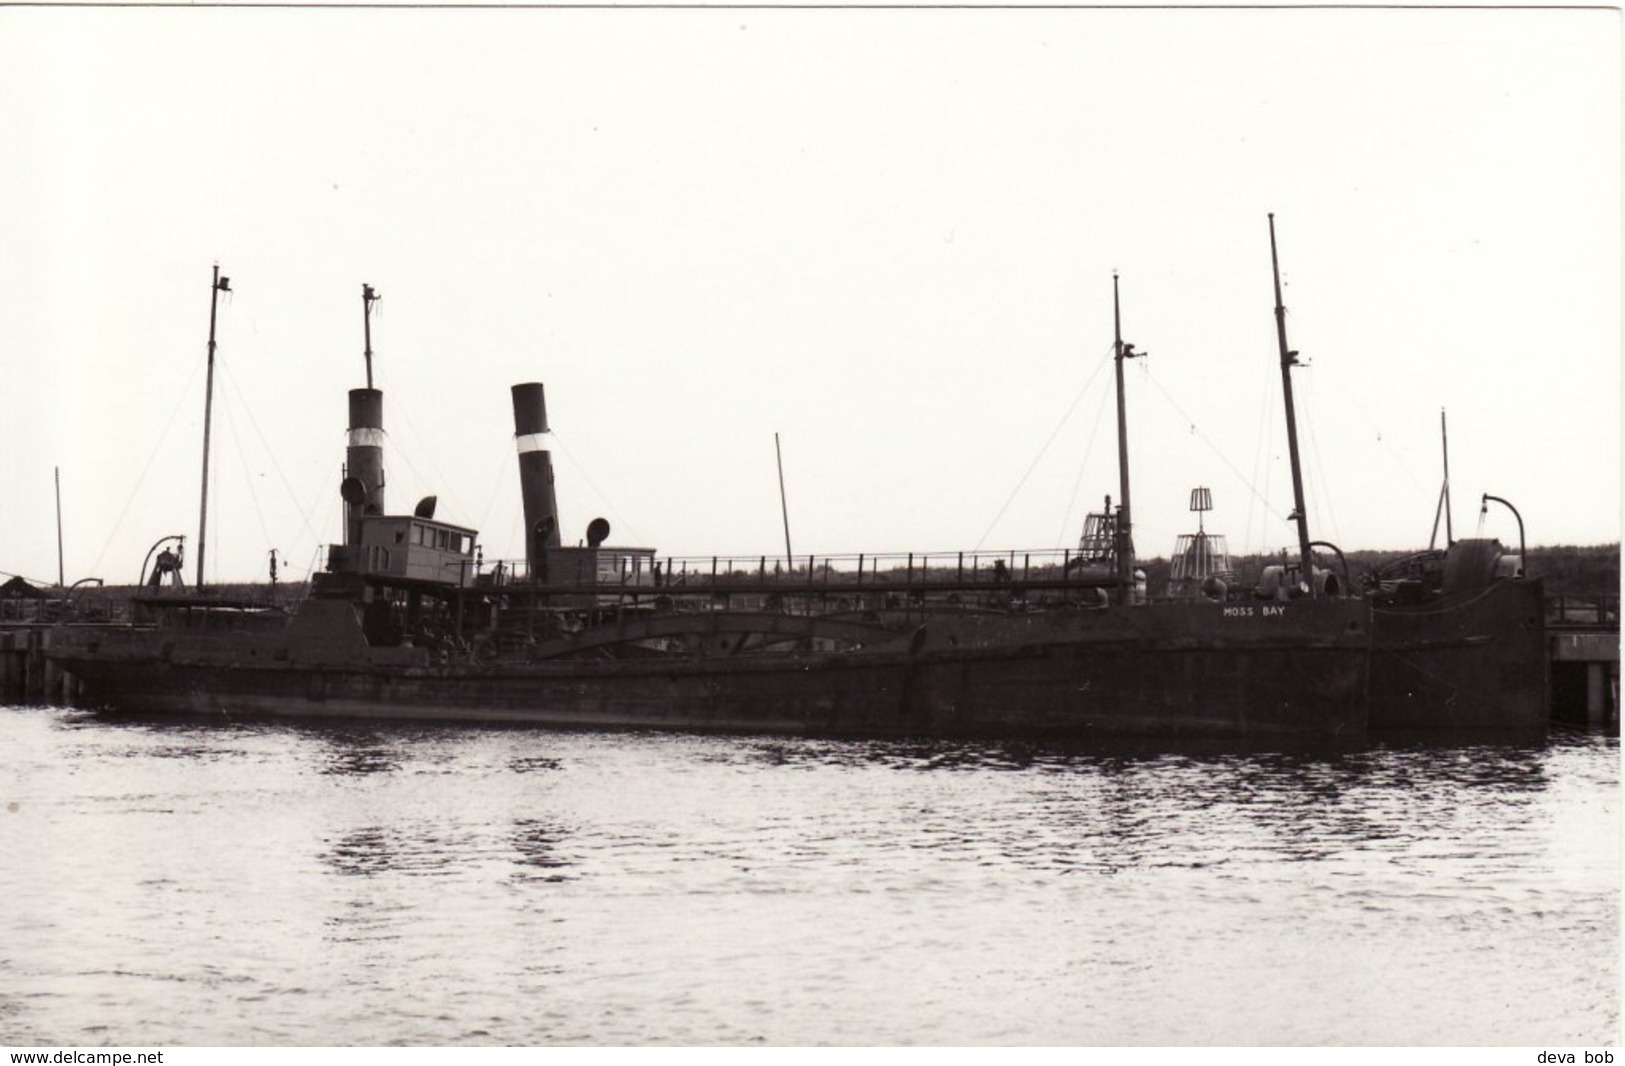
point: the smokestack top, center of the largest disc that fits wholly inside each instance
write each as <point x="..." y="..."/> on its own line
<point x="529" y="409"/>
<point x="366" y="409"/>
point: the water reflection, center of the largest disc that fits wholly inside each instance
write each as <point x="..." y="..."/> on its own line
<point x="537" y="843"/>
<point x="356" y="754"/>
<point x="531" y="764"/>
<point x="439" y="886"/>
<point x="1087" y="810"/>
<point x="414" y="850"/>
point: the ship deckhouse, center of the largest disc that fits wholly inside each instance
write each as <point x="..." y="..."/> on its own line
<point x="409" y="548"/>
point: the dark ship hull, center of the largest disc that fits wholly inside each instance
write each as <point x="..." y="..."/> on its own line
<point x="405" y="624"/>
<point x="1470" y="660"/>
<point x="1159" y="671"/>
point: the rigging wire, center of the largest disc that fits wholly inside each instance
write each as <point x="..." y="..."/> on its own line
<point x="1351" y="399"/>
<point x="1204" y="437"/>
<point x="1083" y="465"/>
<point x="1264" y="437"/>
<point x="419" y="441"/>
<point x="1321" y="486"/>
<point x="320" y="538"/>
<point x="214" y="529"/>
<point x="304" y="513"/>
<point x="636" y="536"/>
<point x="169" y="424"/>
<point x="1037" y="458"/>
<point x="496" y="485"/>
<point x="32" y="581"/>
<point x="242" y="459"/>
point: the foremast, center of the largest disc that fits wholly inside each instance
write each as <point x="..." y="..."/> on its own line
<point x="219" y="286"/>
<point x="1289" y="359"/>
<point x="1124" y="540"/>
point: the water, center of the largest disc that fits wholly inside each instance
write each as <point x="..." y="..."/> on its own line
<point x="184" y="884"/>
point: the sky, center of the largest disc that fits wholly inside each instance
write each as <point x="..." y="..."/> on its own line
<point x="887" y="236"/>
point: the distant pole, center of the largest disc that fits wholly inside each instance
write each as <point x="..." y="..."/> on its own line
<point x="59" y="576"/>
<point x="219" y="286"/>
<point x="369" y="296"/>
<point x="784" y="506"/>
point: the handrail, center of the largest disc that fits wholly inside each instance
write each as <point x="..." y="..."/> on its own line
<point x="1051" y="566"/>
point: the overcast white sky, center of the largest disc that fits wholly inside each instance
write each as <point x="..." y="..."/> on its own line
<point x="887" y="235"/>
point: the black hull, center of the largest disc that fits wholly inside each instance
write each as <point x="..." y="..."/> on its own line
<point x="1166" y="671"/>
<point x="1463" y="663"/>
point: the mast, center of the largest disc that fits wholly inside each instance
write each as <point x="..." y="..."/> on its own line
<point x="1289" y="359"/>
<point x="1444" y="442"/>
<point x="1124" y="546"/>
<point x="368" y="297"/>
<point x="219" y="286"/>
<point x="784" y="506"/>
<point x="1444" y="491"/>
<point x="60" y="580"/>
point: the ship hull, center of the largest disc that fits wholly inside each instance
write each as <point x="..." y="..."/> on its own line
<point x="1173" y="671"/>
<point x="1463" y="663"/>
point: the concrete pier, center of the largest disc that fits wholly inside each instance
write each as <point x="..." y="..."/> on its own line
<point x="1582" y="637"/>
<point x="26" y="675"/>
<point x="1588" y="664"/>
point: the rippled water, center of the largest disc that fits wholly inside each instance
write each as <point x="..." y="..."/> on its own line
<point x="172" y="884"/>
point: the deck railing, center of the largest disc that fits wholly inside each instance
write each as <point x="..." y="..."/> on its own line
<point x="892" y="571"/>
<point x="1597" y="610"/>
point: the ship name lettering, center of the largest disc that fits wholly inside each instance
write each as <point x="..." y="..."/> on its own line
<point x="1239" y="612"/>
<point x="1270" y="612"/>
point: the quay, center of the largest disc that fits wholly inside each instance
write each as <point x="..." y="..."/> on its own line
<point x="1582" y="656"/>
<point x="27" y="676"/>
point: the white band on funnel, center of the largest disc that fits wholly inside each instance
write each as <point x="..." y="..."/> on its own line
<point x="367" y="437"/>
<point x="531" y="442"/>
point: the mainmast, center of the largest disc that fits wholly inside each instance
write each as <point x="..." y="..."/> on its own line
<point x="369" y="296"/>
<point x="1289" y="359"/>
<point x="219" y="286"/>
<point x="1124" y="547"/>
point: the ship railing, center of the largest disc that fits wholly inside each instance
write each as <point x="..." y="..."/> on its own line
<point x="83" y="610"/>
<point x="860" y="572"/>
<point x="1601" y="609"/>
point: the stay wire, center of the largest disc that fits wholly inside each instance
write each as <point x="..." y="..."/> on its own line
<point x="152" y="456"/>
<point x="496" y="486"/>
<point x="1264" y="436"/>
<point x="636" y="536"/>
<point x="242" y="459"/>
<point x="1083" y="465"/>
<point x="1041" y="451"/>
<point x="1349" y="398"/>
<point x="1323" y="492"/>
<point x="304" y="513"/>
<point x="1214" y="448"/>
<point x="420" y="441"/>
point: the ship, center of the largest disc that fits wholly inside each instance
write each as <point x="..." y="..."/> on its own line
<point x="407" y="622"/>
